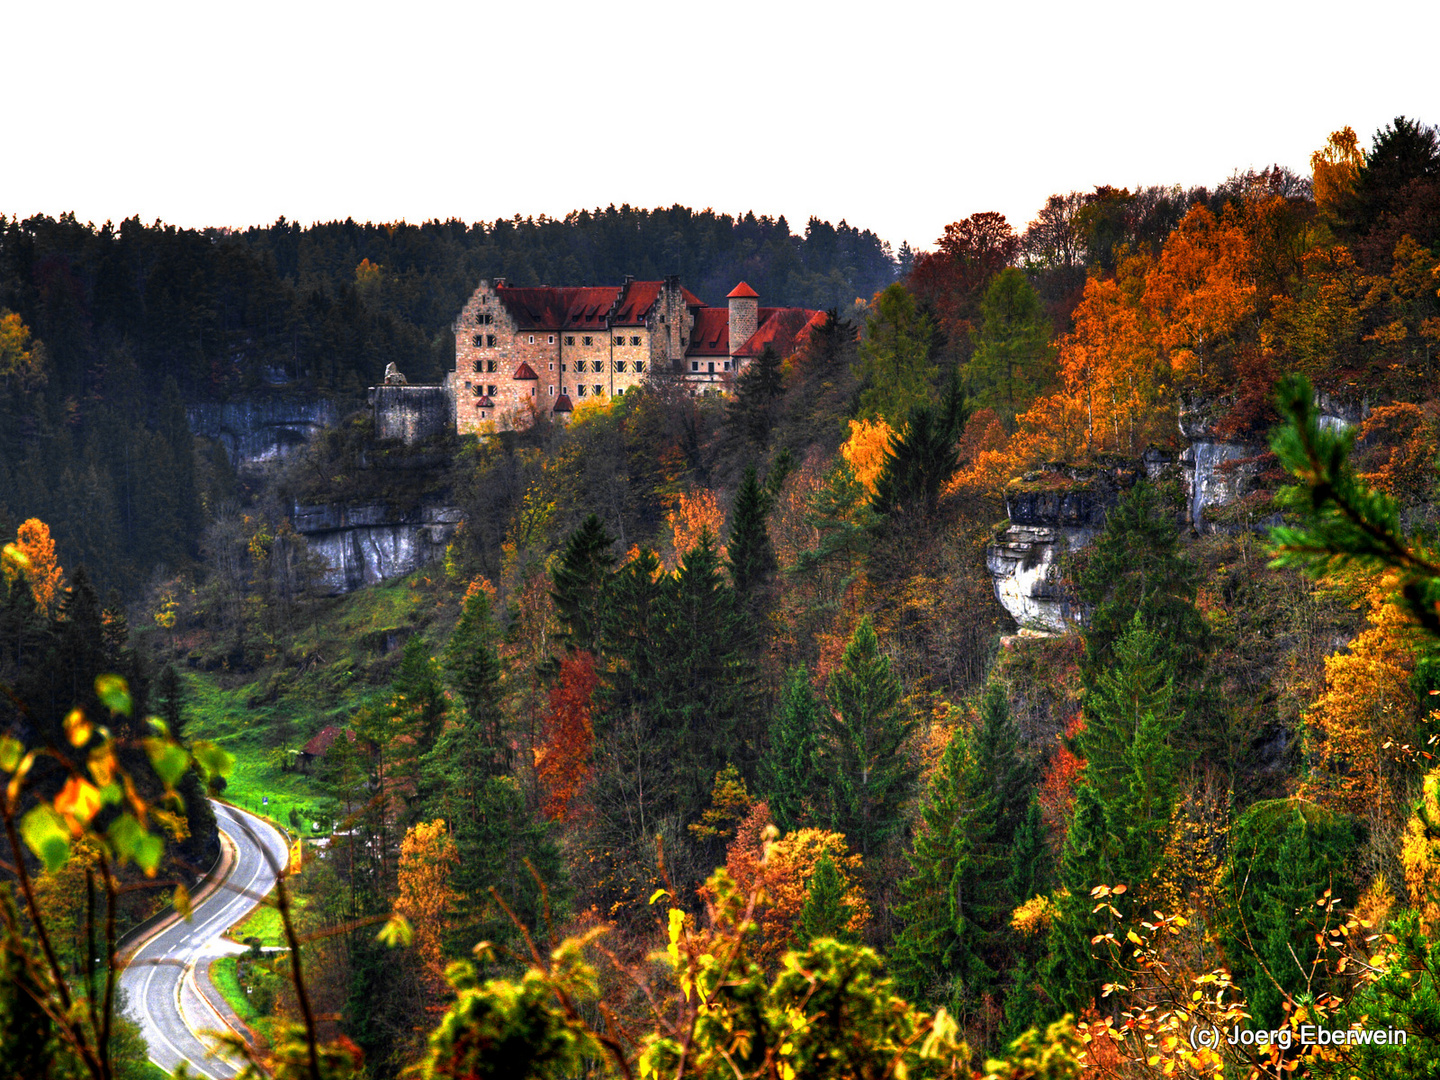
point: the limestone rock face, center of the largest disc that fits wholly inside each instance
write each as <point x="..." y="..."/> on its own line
<point x="262" y="430"/>
<point x="1218" y="469"/>
<point x="368" y="544"/>
<point x="1054" y="511"/>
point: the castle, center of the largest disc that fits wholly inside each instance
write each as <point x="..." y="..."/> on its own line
<point x="523" y="351"/>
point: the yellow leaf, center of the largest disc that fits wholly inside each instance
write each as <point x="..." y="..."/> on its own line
<point x="77" y="728"/>
<point x="78" y="802"/>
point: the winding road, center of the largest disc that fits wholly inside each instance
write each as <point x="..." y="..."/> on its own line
<point x="164" y="994"/>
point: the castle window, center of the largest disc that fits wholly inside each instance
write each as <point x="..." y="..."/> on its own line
<point x="479" y="340"/>
<point x="580" y="390"/>
<point x="552" y="340"/>
<point x="620" y="391"/>
<point x="569" y="339"/>
<point x="467" y="384"/>
<point x="599" y="365"/>
<point x="552" y="365"/>
<point x="727" y="365"/>
<point x="619" y="339"/>
<point x="635" y="339"/>
<point x="684" y="341"/>
<point x="490" y="367"/>
<point x="639" y="366"/>
<point x="552" y="391"/>
<point x="562" y="367"/>
<point x="491" y="391"/>
<point x="532" y="339"/>
<point x="599" y="389"/>
<point x="589" y="340"/>
<point x="490" y="340"/>
<point x="489" y="317"/>
<point x="619" y="365"/>
<point x="694" y="365"/>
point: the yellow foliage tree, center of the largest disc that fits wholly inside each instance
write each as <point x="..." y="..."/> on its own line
<point x="20" y="358"/>
<point x="32" y="556"/>
<point x="1334" y="169"/>
<point x="866" y="448"/>
<point x="1366" y="712"/>
<point x="1420" y="853"/>
<point x="427" y="859"/>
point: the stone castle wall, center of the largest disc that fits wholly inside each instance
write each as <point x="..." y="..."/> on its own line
<point x="412" y="413"/>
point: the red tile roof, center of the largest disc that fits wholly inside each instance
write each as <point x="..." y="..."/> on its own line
<point x="317" y="746"/>
<point x="483" y="402"/>
<point x="710" y="335"/>
<point x="742" y="292"/>
<point x="524" y="371"/>
<point x="562" y="404"/>
<point x="586" y="306"/>
<point x="785" y="329"/>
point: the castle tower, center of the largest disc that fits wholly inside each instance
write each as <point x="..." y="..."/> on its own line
<point x="744" y="315"/>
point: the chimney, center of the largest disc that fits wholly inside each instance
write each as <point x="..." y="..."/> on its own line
<point x="744" y="315"/>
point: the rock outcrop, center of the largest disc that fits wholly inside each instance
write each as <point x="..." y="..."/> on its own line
<point x="1053" y="512"/>
<point x="368" y="544"/>
<point x="261" y="430"/>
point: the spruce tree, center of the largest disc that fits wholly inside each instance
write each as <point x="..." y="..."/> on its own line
<point x="1004" y="768"/>
<point x="579" y="580"/>
<point x="922" y="457"/>
<point x="867" y="776"/>
<point x="472" y="665"/>
<point x="1029" y="861"/>
<point x="826" y="913"/>
<point x="751" y="558"/>
<point x="1013" y="359"/>
<point x="930" y="957"/>
<point x="790" y="771"/>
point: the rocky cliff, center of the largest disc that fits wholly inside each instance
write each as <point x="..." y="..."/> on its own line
<point x="262" y="429"/>
<point x="371" y="543"/>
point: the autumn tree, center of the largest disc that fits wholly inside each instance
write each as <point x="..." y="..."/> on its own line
<point x="952" y="279"/>
<point x="32" y="558"/>
<point x="568" y="736"/>
<point x="427" y="861"/>
<point x="1334" y="170"/>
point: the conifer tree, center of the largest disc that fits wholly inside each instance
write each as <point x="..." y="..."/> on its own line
<point x="1029" y="860"/>
<point x="1137" y="567"/>
<point x="826" y="913"/>
<point x="699" y="690"/>
<point x="1013" y="359"/>
<point x="752" y="412"/>
<point x="790" y="770"/>
<point x="473" y="668"/>
<point x="579" y="578"/>
<point x="1001" y="765"/>
<point x="867" y="776"/>
<point x="931" y="958"/>
<point x="922" y="456"/>
<point x="1122" y="806"/>
<point x="751" y="558"/>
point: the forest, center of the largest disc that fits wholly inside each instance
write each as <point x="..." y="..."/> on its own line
<point x="714" y="745"/>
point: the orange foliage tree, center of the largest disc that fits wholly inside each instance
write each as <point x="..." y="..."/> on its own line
<point x="563" y="759"/>
<point x="427" y="859"/>
<point x="866" y="448"/>
<point x="695" y="512"/>
<point x="32" y="556"/>
<point x="782" y="866"/>
<point x="1334" y="168"/>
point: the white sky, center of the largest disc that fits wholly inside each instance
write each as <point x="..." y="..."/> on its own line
<point x="899" y="116"/>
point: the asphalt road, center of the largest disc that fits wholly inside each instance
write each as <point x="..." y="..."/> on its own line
<point x="160" y="979"/>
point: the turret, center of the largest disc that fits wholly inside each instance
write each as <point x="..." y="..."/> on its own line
<point x="744" y="315"/>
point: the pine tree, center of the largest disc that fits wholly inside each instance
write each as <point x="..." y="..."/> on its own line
<point x="476" y="745"/>
<point x="999" y="760"/>
<point x="922" y="457"/>
<point x="790" y="771"/>
<point x="751" y="558"/>
<point x="867" y="776"/>
<point x="1013" y="359"/>
<point x="1029" y="869"/>
<point x="580" y="578"/>
<point x="826" y="913"/>
<point x="1137" y="567"/>
<point x="752" y="412"/>
<point x="699" y="691"/>
<point x="930" y="954"/>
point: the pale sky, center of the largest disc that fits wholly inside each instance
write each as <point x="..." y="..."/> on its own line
<point x="898" y="117"/>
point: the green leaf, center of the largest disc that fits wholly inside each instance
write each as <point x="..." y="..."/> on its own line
<point x="395" y="932"/>
<point x="129" y="840"/>
<point x="114" y="693"/>
<point x="214" y="760"/>
<point x="45" y="834"/>
<point x="148" y="853"/>
<point x="169" y="760"/>
<point x="11" y="751"/>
